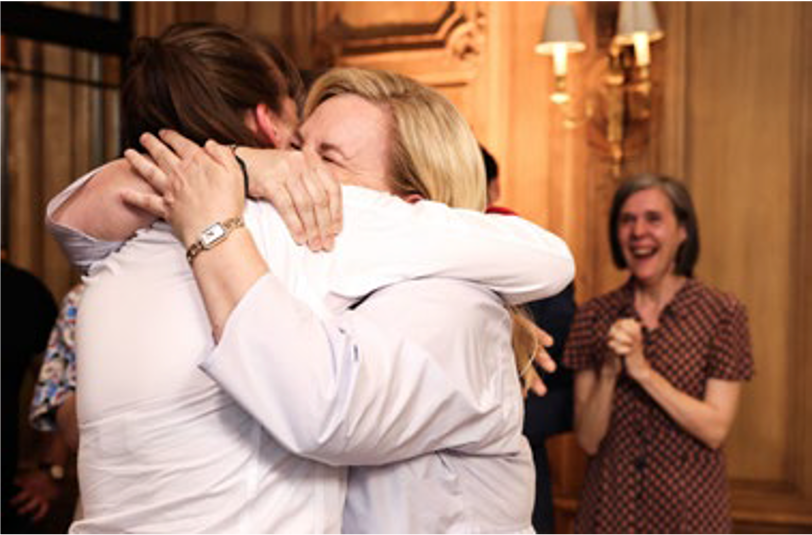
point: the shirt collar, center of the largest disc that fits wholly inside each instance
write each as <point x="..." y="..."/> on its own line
<point x="681" y="304"/>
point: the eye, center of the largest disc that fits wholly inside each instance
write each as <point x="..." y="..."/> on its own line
<point x="296" y="145"/>
<point x="329" y="156"/>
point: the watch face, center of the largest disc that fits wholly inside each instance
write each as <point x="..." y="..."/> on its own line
<point x="212" y="235"/>
<point x="57" y="472"/>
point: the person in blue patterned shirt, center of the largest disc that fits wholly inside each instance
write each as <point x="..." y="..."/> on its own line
<point x="52" y="406"/>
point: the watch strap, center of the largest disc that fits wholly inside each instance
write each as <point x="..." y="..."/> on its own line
<point x="228" y="226"/>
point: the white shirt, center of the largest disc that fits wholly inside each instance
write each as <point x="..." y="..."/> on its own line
<point x="418" y="383"/>
<point x="164" y="449"/>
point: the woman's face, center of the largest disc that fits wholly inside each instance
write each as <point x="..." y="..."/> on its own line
<point x="351" y="135"/>
<point x="649" y="235"/>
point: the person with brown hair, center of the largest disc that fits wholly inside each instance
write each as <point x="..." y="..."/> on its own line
<point x="207" y="82"/>
<point x="385" y="393"/>
<point x="401" y="133"/>
<point x="659" y="365"/>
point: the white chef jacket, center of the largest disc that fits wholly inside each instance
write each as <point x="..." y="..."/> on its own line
<point x="418" y="383"/>
<point x="164" y="449"/>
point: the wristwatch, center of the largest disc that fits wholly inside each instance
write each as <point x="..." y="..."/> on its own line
<point x="212" y="236"/>
<point x="55" y="471"/>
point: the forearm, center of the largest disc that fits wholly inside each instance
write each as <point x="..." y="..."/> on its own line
<point x="593" y="414"/>
<point x="88" y="218"/>
<point x="67" y="423"/>
<point x="515" y="258"/>
<point x="225" y="273"/>
<point x="339" y="392"/>
<point x="97" y="208"/>
<point x="698" y="418"/>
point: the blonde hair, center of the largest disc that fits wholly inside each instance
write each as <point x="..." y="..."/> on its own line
<point x="433" y="153"/>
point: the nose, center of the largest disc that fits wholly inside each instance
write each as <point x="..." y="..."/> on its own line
<point x="638" y="227"/>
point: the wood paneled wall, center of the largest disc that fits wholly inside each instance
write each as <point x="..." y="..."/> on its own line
<point x="746" y="151"/>
<point x="49" y="142"/>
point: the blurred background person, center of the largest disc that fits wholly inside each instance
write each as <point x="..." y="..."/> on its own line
<point x="658" y="369"/>
<point x="550" y="414"/>
<point x="53" y="489"/>
<point x="53" y="406"/>
<point x="29" y="310"/>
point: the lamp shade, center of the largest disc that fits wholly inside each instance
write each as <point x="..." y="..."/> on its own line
<point x="560" y="28"/>
<point x="637" y="17"/>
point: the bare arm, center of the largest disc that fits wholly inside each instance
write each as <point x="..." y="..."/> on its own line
<point x="91" y="219"/>
<point x="67" y="423"/>
<point x="594" y="394"/>
<point x="363" y="372"/>
<point x="98" y="210"/>
<point x="708" y="419"/>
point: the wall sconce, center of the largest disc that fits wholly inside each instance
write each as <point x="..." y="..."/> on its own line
<point x="625" y="95"/>
<point x="559" y="39"/>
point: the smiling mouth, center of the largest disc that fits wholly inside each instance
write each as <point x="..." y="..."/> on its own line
<point x="643" y="253"/>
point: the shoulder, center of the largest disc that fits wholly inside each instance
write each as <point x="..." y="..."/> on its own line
<point x="445" y="296"/>
<point x="438" y="311"/>
<point x="716" y="301"/>
<point x="27" y="289"/>
<point x="606" y="305"/>
<point x="457" y="323"/>
<point x="70" y="304"/>
<point x="74" y="296"/>
<point x="20" y="276"/>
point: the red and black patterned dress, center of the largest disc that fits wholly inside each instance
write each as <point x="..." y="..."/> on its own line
<point x="650" y="476"/>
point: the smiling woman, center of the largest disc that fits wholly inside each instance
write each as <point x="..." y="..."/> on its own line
<point x="355" y="151"/>
<point x="659" y="365"/>
<point x="432" y="151"/>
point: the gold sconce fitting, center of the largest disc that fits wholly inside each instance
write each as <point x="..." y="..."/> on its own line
<point x="624" y="98"/>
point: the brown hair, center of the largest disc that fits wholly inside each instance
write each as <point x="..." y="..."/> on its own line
<point x="200" y="79"/>
<point x="681" y="203"/>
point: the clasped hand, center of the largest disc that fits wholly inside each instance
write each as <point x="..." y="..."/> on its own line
<point x="626" y="341"/>
<point x="196" y="186"/>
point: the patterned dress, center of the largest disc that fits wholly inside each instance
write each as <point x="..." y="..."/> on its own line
<point x="650" y="476"/>
<point x="57" y="377"/>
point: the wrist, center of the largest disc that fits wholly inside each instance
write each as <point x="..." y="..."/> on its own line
<point x="243" y="168"/>
<point x="212" y="236"/>
<point x="53" y="470"/>
<point x="643" y="376"/>
<point x="247" y="156"/>
<point x="609" y="374"/>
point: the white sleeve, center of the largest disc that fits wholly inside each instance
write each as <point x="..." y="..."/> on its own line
<point x="360" y="392"/>
<point x="517" y="259"/>
<point x="81" y="249"/>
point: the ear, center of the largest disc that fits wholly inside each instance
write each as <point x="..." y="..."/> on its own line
<point x="494" y="191"/>
<point x="683" y="234"/>
<point x="265" y="124"/>
<point x="413" y="198"/>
